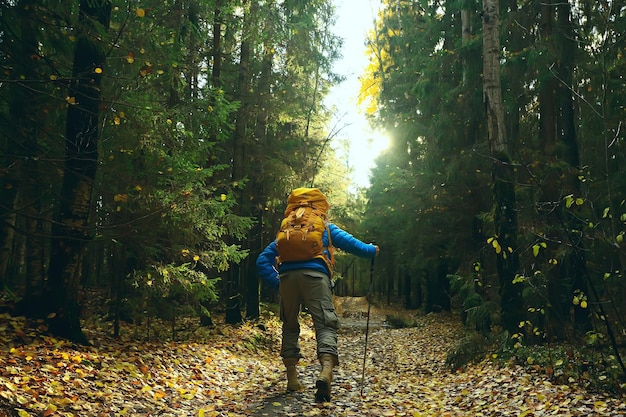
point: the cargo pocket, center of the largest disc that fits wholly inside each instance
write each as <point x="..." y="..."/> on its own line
<point x="330" y="317"/>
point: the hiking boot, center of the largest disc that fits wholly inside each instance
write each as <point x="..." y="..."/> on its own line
<point x="292" y="374"/>
<point x="325" y="377"/>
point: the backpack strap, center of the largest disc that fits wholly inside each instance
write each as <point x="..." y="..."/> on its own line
<point x="330" y="260"/>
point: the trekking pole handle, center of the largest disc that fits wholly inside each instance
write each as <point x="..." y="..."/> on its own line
<point x="377" y="249"/>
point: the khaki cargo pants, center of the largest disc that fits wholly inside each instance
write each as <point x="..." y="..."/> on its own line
<point x="311" y="289"/>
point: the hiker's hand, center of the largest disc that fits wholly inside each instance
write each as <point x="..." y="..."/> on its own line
<point x="377" y="249"/>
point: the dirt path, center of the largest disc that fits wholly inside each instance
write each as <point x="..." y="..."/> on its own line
<point x="405" y="375"/>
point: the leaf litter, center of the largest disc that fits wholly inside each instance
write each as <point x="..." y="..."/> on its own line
<point x="236" y="371"/>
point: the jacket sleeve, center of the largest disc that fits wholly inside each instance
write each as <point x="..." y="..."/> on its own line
<point x="265" y="265"/>
<point x="345" y="241"/>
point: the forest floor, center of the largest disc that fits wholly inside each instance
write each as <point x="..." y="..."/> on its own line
<point x="236" y="371"/>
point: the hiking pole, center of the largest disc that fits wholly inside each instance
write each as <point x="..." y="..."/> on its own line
<point x="367" y="325"/>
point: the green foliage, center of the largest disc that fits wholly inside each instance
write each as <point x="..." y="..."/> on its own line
<point x="470" y="348"/>
<point x="593" y="367"/>
<point x="478" y="312"/>
<point x="400" y="321"/>
<point x="165" y="287"/>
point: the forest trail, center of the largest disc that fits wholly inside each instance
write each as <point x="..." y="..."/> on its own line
<point x="236" y="371"/>
<point x="406" y="375"/>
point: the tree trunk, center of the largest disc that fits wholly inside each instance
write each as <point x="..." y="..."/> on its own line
<point x="216" y="73"/>
<point x="253" y="196"/>
<point x="242" y="122"/>
<point x="558" y="312"/>
<point x="71" y="231"/>
<point x="574" y="267"/>
<point x="28" y="118"/>
<point x="19" y="165"/>
<point x="505" y="216"/>
<point x="466" y="33"/>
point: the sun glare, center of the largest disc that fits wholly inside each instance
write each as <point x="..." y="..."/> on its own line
<point x="354" y="21"/>
<point x="365" y="146"/>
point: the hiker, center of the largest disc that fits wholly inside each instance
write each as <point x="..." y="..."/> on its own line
<point x="299" y="264"/>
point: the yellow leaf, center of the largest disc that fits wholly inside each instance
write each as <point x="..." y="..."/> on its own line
<point x="583" y="304"/>
<point x="22" y="413"/>
<point x="535" y="250"/>
<point x="141" y="12"/>
<point x="223" y="197"/>
<point x="599" y="404"/>
<point x="98" y="70"/>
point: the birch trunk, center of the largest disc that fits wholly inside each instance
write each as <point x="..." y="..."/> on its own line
<point x="505" y="216"/>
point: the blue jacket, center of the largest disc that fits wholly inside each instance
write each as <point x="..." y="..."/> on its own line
<point x="269" y="271"/>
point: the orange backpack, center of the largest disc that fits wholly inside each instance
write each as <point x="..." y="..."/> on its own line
<point x="301" y="231"/>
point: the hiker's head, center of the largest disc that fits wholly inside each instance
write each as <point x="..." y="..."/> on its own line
<point x="307" y="196"/>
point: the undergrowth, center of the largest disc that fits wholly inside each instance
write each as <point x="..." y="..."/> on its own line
<point x="594" y="368"/>
<point x="398" y="321"/>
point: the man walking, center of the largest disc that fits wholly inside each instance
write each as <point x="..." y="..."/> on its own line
<point x="299" y="264"/>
